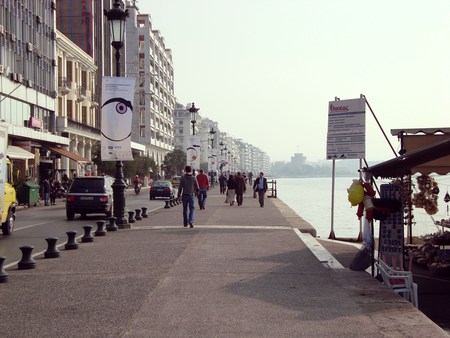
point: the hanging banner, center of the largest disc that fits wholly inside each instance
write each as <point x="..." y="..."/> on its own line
<point x="346" y="137"/>
<point x="116" y="118"/>
<point x="212" y="160"/>
<point x="193" y="152"/>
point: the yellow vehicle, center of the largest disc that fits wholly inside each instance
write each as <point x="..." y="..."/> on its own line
<point x="8" y="202"/>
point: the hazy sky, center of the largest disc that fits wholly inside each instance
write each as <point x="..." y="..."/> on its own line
<point x="265" y="69"/>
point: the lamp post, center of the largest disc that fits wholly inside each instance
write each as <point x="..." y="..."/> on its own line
<point x="117" y="19"/>
<point x="193" y="112"/>
<point x="221" y="144"/>
<point x="212" y="132"/>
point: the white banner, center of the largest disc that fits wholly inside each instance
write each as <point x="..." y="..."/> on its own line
<point x="193" y="152"/>
<point x="116" y="118"/>
<point x="212" y="160"/>
<point x="346" y="137"/>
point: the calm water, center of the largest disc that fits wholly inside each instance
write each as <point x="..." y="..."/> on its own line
<point x="310" y="198"/>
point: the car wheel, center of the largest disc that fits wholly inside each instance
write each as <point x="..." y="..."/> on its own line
<point x="70" y="215"/>
<point x="8" y="226"/>
<point x="83" y="215"/>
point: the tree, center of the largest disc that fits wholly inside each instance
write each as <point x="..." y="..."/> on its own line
<point x="175" y="161"/>
<point x="141" y="165"/>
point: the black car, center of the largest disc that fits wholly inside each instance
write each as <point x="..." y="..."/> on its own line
<point x="162" y="189"/>
<point x="90" y="195"/>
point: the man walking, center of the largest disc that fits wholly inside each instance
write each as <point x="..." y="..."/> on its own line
<point x="188" y="186"/>
<point x="260" y="186"/>
<point x="240" y="188"/>
<point x="223" y="183"/>
<point x="203" y="187"/>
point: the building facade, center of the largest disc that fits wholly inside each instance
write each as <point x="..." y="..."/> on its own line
<point x="150" y="62"/>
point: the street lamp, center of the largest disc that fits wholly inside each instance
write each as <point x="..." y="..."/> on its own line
<point x="221" y="144"/>
<point x="117" y="19"/>
<point x="212" y="132"/>
<point x="193" y="112"/>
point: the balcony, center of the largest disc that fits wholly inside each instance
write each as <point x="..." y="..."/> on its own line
<point x="64" y="85"/>
<point x="81" y="94"/>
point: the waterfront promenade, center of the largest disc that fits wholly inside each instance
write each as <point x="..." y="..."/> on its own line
<point x="241" y="272"/>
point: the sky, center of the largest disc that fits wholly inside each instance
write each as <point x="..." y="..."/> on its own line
<point x="265" y="70"/>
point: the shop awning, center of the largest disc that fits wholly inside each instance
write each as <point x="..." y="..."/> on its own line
<point x="426" y="160"/>
<point x="19" y="153"/>
<point x="66" y="153"/>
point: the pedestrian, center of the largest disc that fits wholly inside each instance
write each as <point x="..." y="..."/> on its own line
<point x="188" y="187"/>
<point x="203" y="187"/>
<point x="53" y="189"/>
<point x="250" y="178"/>
<point x="45" y="186"/>
<point x="231" y="190"/>
<point x="222" y="183"/>
<point x="260" y="186"/>
<point x="240" y="188"/>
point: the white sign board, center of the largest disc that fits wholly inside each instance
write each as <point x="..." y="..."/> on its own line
<point x="116" y="118"/>
<point x="193" y="152"/>
<point x="346" y="138"/>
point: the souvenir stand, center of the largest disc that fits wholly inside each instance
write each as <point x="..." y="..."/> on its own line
<point x="423" y="151"/>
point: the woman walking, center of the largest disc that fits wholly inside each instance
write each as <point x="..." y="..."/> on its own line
<point x="231" y="190"/>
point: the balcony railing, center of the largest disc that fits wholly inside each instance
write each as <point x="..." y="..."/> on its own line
<point x="81" y="93"/>
<point x="64" y="85"/>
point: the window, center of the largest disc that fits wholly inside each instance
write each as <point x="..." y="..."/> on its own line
<point x="142" y="131"/>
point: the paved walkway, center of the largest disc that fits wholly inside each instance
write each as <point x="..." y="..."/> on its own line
<point x="241" y="272"/>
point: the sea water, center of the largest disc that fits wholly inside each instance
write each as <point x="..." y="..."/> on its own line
<point x="311" y="199"/>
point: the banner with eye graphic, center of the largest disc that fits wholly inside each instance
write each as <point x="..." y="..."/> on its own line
<point x="193" y="151"/>
<point x="116" y="118"/>
<point x="212" y="160"/>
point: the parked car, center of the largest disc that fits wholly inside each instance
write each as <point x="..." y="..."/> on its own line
<point x="90" y="195"/>
<point x="162" y="189"/>
<point x="176" y="181"/>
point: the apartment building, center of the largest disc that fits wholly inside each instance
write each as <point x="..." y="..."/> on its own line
<point x="28" y="85"/>
<point x="150" y="62"/>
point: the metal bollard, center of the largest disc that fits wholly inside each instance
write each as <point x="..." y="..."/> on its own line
<point x="112" y="224"/>
<point x="3" y="275"/>
<point x="100" y="229"/>
<point x="167" y="206"/>
<point x="26" y="262"/>
<point x="71" y="241"/>
<point x="144" y="212"/>
<point x="52" y="251"/>
<point x="138" y="216"/>
<point x="131" y="218"/>
<point x="87" y="237"/>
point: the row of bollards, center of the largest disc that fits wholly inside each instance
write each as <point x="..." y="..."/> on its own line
<point x="171" y="202"/>
<point x="27" y="261"/>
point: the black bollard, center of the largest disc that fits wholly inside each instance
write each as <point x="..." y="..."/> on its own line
<point x="144" y="212"/>
<point x="71" y="241"/>
<point x="167" y="206"/>
<point x="131" y="218"/>
<point x="27" y="262"/>
<point x="52" y="251"/>
<point x="138" y="216"/>
<point x="100" y="229"/>
<point x="112" y="224"/>
<point x="87" y="237"/>
<point x="3" y="275"/>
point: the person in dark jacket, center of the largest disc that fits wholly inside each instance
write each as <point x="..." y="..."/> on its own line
<point x="260" y="186"/>
<point x="188" y="187"/>
<point x="223" y="183"/>
<point x="240" y="188"/>
<point x="231" y="190"/>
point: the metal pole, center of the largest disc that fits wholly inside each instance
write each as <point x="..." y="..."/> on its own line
<point x="119" y="184"/>
<point x="332" y="235"/>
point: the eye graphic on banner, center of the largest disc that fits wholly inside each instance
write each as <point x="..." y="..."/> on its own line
<point x="118" y="115"/>
<point x="192" y="153"/>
